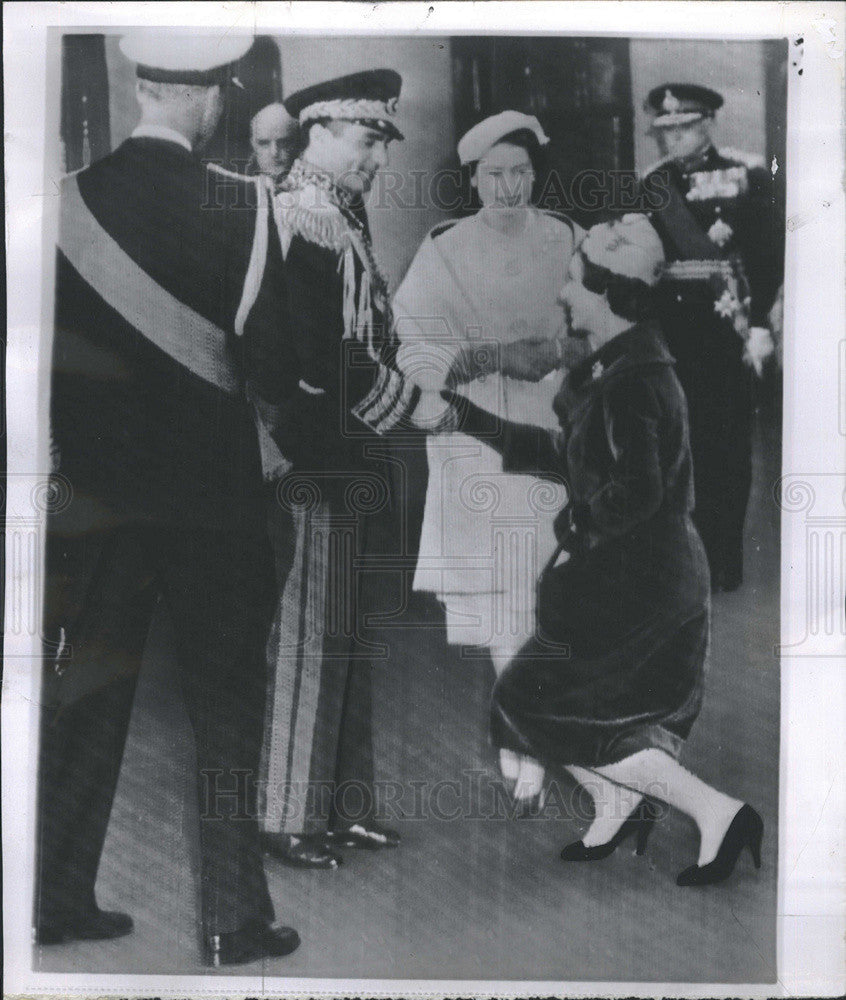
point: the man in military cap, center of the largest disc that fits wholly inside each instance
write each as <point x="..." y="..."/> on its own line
<point x="159" y="299"/>
<point x="724" y="250"/>
<point x="331" y="374"/>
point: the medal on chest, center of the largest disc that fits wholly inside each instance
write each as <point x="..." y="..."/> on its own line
<point x="707" y="185"/>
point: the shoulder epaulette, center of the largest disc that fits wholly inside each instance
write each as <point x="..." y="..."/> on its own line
<point x="749" y="160"/>
<point x="441" y="228"/>
<point x="308" y="212"/>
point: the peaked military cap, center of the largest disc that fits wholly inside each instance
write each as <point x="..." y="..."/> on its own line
<point x="682" y="103"/>
<point x="203" y="60"/>
<point x="369" y="98"/>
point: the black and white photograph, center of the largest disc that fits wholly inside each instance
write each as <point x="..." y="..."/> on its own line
<point x="426" y="499"/>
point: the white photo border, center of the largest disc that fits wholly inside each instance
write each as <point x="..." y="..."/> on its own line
<point x="812" y="900"/>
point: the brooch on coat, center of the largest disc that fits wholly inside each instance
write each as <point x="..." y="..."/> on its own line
<point x="597" y="370"/>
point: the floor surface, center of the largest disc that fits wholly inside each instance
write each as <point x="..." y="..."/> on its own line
<point x="475" y="897"/>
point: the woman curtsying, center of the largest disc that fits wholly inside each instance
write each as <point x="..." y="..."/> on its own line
<point x="626" y="598"/>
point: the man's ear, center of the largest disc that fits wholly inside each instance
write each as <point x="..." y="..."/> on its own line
<point x="212" y="107"/>
<point x="316" y="133"/>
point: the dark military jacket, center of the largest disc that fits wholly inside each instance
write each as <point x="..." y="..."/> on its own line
<point x="327" y="354"/>
<point x="148" y="405"/>
<point x="721" y="206"/>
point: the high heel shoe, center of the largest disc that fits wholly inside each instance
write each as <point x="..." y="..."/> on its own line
<point x="641" y="822"/>
<point x="745" y="830"/>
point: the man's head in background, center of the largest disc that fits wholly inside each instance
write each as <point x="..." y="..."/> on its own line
<point x="275" y="140"/>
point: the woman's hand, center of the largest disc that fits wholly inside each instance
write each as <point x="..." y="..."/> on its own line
<point x="530" y="359"/>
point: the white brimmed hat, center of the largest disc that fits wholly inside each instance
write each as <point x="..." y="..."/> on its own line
<point x="202" y="60"/>
<point x="487" y="133"/>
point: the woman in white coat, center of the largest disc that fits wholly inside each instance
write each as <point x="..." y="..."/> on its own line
<point x="478" y="309"/>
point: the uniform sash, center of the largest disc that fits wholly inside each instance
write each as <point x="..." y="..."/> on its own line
<point x="690" y="242"/>
<point x="174" y="327"/>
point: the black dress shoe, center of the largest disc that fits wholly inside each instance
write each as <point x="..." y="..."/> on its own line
<point x="90" y="925"/>
<point x="746" y="830"/>
<point x="368" y="836"/>
<point x="253" y="941"/>
<point x="640" y="824"/>
<point x="300" y="852"/>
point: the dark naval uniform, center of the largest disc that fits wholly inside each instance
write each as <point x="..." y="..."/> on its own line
<point x="329" y="372"/>
<point x="724" y="251"/>
<point x="159" y="296"/>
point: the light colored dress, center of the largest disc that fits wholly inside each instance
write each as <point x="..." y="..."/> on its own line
<point x="486" y="533"/>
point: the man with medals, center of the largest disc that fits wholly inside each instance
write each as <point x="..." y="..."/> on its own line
<point x="717" y="221"/>
<point x="330" y="388"/>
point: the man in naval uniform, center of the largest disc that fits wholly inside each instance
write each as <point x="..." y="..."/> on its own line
<point x="724" y="250"/>
<point x="167" y="272"/>
<point x="330" y="372"/>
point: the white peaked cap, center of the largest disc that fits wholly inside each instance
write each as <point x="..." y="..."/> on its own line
<point x="628" y="246"/>
<point x="487" y="133"/>
<point x="170" y="56"/>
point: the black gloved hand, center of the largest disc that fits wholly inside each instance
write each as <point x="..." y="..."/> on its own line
<point x="473" y="420"/>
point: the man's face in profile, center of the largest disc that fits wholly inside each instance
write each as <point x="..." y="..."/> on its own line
<point x="353" y="153"/>
<point x="273" y="138"/>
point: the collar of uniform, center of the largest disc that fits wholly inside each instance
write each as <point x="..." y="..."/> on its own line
<point x="303" y="173"/>
<point x="699" y="162"/>
<point x="150" y="131"/>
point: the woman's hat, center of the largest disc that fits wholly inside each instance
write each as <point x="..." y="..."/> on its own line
<point x="487" y="133"/>
<point x="628" y="246"/>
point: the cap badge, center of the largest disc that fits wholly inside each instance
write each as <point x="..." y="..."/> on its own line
<point x="670" y="103"/>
